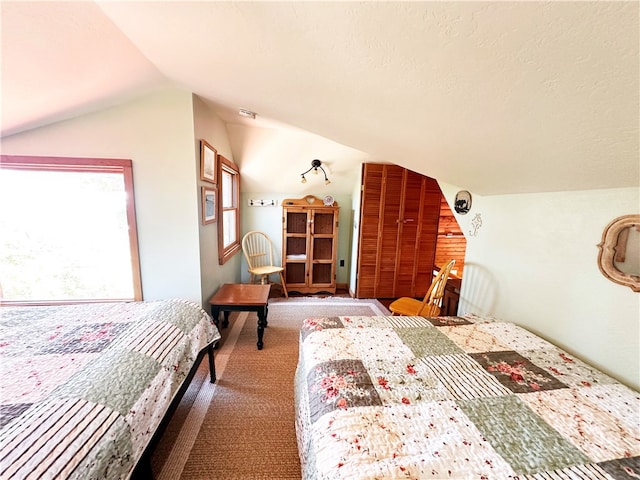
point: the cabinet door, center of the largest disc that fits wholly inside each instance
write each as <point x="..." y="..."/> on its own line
<point x="295" y="247"/>
<point x="323" y="248"/>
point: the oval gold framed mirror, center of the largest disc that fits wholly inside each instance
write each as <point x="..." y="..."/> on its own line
<point x="619" y="257"/>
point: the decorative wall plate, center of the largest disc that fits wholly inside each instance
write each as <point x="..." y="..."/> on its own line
<point x="462" y="203"/>
<point x="328" y="200"/>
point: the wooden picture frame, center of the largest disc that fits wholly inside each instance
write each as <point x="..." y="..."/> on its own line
<point x="208" y="162"/>
<point x="209" y="205"/>
<point x="613" y="250"/>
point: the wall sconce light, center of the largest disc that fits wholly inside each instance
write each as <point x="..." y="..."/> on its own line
<point x="315" y="165"/>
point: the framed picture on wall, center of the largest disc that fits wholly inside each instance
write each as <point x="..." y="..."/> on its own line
<point x="208" y="162"/>
<point x="209" y="201"/>
<point x="462" y="202"/>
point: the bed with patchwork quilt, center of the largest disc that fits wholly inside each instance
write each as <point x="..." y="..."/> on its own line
<point x="455" y="397"/>
<point x="85" y="387"/>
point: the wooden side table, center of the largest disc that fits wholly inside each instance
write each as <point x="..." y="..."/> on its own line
<point x="241" y="297"/>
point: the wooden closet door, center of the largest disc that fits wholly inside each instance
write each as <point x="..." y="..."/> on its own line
<point x="378" y="247"/>
<point x="428" y="236"/>
<point x="369" y="228"/>
<point x="398" y="232"/>
<point x="409" y="234"/>
<point x="390" y="213"/>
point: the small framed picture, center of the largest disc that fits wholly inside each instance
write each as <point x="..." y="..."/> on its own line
<point x="209" y="205"/>
<point x="208" y="162"/>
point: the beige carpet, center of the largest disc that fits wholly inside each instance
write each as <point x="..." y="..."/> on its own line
<point x="243" y="426"/>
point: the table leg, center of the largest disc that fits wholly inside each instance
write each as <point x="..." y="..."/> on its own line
<point x="215" y="314"/>
<point x="262" y="322"/>
<point x="225" y="323"/>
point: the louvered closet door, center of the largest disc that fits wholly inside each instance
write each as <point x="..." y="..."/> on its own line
<point x="409" y="233"/>
<point x="428" y="237"/>
<point x="398" y="232"/>
<point x="392" y="184"/>
<point x="369" y="228"/>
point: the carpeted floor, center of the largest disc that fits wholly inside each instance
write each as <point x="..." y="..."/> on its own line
<point x="243" y="426"/>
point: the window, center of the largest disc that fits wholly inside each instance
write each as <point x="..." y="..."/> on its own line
<point x="68" y="231"/>
<point x="229" y="227"/>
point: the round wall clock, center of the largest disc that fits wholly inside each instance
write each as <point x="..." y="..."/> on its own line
<point x="328" y="200"/>
<point x="462" y="203"/>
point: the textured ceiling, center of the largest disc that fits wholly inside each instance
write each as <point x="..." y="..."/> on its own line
<point x="498" y="97"/>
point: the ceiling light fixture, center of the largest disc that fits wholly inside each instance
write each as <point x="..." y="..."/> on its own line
<point x="315" y="165"/>
<point x="243" y="112"/>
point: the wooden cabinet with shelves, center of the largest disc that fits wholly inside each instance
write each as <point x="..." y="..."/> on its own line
<point x="309" y="244"/>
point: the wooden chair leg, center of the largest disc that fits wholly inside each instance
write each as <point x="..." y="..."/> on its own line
<point x="284" y="286"/>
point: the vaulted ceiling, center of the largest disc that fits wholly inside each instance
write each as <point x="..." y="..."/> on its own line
<point x="495" y="97"/>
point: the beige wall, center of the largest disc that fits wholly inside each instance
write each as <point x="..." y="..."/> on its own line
<point x="208" y="126"/>
<point x="534" y="262"/>
<point x="157" y="133"/>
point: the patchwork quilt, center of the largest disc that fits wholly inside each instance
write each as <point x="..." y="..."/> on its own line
<point x="453" y="397"/>
<point x="84" y="387"/>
